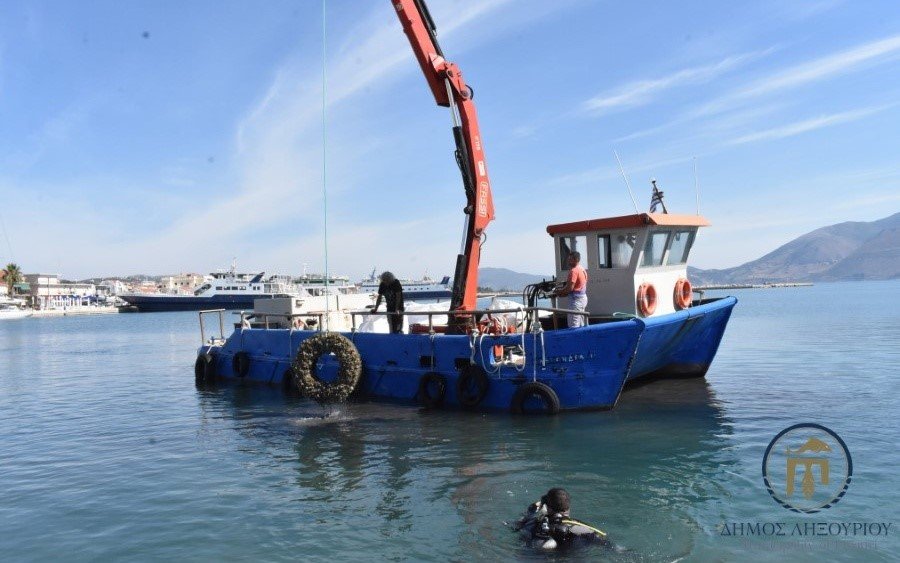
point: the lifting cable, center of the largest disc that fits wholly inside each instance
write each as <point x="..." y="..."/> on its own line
<point x="324" y="163"/>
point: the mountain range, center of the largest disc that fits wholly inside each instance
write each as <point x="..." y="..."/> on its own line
<point x="843" y="252"/>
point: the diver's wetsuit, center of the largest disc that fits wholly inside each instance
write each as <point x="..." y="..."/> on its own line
<point x="393" y="295"/>
<point x="558" y="531"/>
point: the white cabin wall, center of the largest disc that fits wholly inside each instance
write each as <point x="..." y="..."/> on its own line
<point x="663" y="279"/>
<point x="614" y="290"/>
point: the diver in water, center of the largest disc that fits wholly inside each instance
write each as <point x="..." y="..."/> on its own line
<point x="548" y="525"/>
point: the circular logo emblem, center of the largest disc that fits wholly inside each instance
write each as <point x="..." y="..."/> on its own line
<point x="807" y="468"/>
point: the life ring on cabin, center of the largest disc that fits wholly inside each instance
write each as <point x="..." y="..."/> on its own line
<point x="684" y="294"/>
<point x="308" y="355"/>
<point x="240" y="363"/>
<point x="432" y="388"/>
<point x="205" y="369"/>
<point x="472" y="386"/>
<point x="646" y="299"/>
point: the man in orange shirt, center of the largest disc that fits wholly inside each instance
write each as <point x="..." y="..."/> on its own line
<point x="576" y="289"/>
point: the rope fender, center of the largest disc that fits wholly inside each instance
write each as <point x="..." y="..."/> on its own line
<point x="349" y="370"/>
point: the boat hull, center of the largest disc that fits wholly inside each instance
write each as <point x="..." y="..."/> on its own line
<point x="166" y="303"/>
<point x="427" y="294"/>
<point x="586" y="367"/>
<point x="10" y="315"/>
<point x="684" y="343"/>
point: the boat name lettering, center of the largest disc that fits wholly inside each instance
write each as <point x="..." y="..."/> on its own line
<point x="566" y="359"/>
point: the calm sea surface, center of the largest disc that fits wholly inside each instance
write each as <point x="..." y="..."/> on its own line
<point x="109" y="452"/>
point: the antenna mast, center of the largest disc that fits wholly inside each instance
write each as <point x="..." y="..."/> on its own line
<point x="627" y="183"/>
<point x="697" y="185"/>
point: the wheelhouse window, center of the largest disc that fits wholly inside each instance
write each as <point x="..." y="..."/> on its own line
<point x="655" y="249"/>
<point x="681" y="247"/>
<point x="621" y="249"/>
<point x="568" y="245"/>
<point x="603" y="251"/>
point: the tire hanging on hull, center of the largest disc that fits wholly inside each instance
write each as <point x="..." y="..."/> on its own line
<point x="535" y="389"/>
<point x="472" y="386"/>
<point x="432" y="389"/>
<point x="240" y="363"/>
<point x="349" y="367"/>
<point x="205" y="370"/>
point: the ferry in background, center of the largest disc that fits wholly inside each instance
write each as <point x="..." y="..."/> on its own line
<point x="425" y="288"/>
<point x="315" y="284"/>
<point x="221" y="290"/>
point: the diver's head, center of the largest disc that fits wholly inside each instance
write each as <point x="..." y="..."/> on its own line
<point x="387" y="277"/>
<point x="557" y="500"/>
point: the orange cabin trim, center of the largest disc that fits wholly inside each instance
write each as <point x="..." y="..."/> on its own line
<point x="627" y="221"/>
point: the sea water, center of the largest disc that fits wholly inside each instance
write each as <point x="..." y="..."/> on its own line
<point x="109" y="452"/>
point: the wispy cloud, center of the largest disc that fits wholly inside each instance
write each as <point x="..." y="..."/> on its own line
<point x="807" y="125"/>
<point x="278" y="139"/>
<point x="642" y="92"/>
<point x="817" y="70"/>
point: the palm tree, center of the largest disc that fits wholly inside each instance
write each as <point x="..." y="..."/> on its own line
<point x="13" y="276"/>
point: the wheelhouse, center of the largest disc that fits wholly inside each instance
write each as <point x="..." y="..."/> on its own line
<point x="627" y="256"/>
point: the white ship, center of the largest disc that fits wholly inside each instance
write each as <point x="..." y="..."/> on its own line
<point x="425" y="288"/>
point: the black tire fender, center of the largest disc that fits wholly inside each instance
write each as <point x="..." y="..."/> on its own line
<point x="535" y="389"/>
<point x="288" y="384"/>
<point x="426" y="397"/>
<point x="349" y="370"/>
<point x="240" y="364"/>
<point x="472" y="386"/>
<point x="205" y="369"/>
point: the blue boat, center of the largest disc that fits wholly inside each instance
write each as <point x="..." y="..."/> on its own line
<point x="535" y="362"/>
<point x="642" y="318"/>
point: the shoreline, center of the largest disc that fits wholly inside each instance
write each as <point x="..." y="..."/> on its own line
<point x="72" y="311"/>
<point x="752" y="285"/>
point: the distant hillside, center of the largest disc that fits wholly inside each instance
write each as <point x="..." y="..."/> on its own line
<point x="846" y="251"/>
<point x="502" y="279"/>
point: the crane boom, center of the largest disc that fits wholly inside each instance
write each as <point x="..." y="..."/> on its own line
<point x="450" y="90"/>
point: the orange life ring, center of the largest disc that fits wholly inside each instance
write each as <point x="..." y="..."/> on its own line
<point x="684" y="294"/>
<point x="646" y="299"/>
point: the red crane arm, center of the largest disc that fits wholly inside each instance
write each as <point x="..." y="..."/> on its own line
<point x="449" y="89"/>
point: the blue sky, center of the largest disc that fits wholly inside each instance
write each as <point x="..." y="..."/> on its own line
<point x="140" y="137"/>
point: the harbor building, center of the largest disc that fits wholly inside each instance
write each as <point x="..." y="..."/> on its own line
<point x="49" y="292"/>
<point x="181" y="283"/>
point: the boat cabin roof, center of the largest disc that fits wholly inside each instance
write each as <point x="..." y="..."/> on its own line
<point x="628" y="221"/>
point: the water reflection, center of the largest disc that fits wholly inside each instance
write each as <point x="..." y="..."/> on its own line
<point x="643" y="471"/>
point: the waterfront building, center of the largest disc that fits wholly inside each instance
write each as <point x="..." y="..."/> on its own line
<point x="112" y="287"/>
<point x="47" y="291"/>
<point x="181" y="283"/>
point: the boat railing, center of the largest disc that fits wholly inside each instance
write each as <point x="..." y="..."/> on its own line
<point x="290" y="317"/>
<point x="212" y="339"/>
<point x="531" y="313"/>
